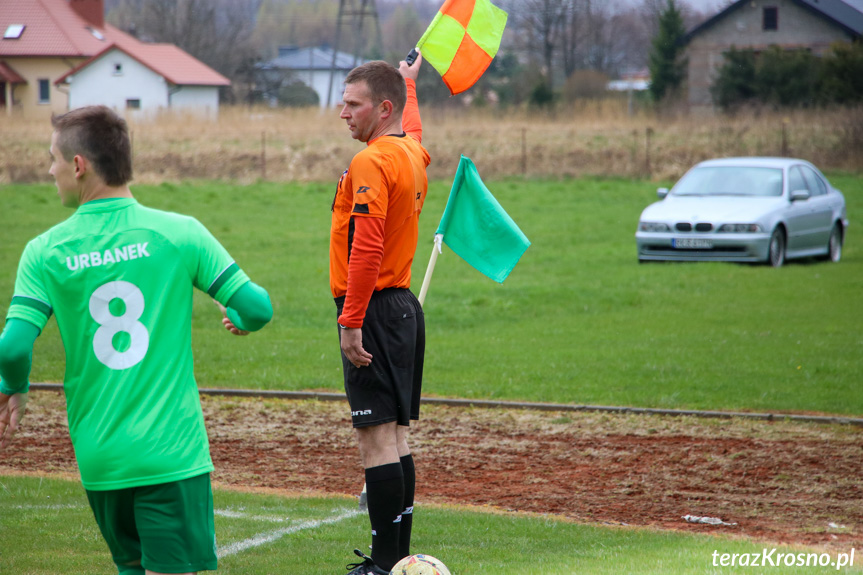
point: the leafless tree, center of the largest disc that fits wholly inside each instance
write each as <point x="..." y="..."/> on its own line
<point x="651" y="9"/>
<point x="538" y="23"/>
<point x="571" y="35"/>
<point x="553" y="37"/>
<point x="217" y="32"/>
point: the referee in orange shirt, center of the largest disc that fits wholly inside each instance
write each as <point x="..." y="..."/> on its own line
<point x="381" y="326"/>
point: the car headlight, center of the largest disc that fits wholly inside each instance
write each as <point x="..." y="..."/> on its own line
<point x="653" y="227"/>
<point x="739" y="228"/>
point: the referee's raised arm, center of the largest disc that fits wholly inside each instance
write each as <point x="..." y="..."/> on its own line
<point x="411" y="121"/>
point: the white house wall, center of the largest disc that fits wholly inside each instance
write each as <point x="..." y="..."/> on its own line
<point x="198" y="100"/>
<point x="319" y="81"/>
<point x="101" y="83"/>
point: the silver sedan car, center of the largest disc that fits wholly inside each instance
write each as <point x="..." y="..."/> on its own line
<point x="745" y="210"/>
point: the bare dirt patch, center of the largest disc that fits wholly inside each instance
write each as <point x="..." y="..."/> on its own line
<point x="781" y="482"/>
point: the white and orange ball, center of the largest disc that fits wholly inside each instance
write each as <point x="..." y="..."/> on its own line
<point x="420" y="565"/>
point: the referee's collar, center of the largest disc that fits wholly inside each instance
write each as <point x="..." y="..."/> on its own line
<point x="402" y="135"/>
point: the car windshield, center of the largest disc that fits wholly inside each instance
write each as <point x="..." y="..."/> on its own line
<point x="730" y="181"/>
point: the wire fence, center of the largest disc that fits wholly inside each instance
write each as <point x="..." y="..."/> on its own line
<point x="247" y="146"/>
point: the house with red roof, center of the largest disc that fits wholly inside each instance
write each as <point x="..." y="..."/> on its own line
<point x="56" y="55"/>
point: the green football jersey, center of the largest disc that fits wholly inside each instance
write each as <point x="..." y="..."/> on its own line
<point x="118" y="277"/>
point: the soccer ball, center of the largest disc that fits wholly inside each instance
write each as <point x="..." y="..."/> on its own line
<point x="420" y="565"/>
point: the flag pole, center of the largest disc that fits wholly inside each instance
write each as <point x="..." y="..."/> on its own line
<point x="436" y="250"/>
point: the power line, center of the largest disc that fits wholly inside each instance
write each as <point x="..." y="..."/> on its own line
<point x="353" y="13"/>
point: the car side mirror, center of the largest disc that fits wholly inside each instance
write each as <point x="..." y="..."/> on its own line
<point x="662" y="192"/>
<point x="799" y="195"/>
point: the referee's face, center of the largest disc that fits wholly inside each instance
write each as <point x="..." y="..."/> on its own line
<point x="360" y="112"/>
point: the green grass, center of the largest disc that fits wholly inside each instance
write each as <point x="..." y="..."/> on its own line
<point x="578" y="321"/>
<point x="46" y="528"/>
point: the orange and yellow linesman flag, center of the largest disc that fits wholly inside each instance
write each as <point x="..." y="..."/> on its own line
<point x="462" y="40"/>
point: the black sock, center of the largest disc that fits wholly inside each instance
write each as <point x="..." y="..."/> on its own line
<point x="385" y="490"/>
<point x="408" y="513"/>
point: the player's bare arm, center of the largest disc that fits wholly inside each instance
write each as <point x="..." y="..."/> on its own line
<point x="12" y="409"/>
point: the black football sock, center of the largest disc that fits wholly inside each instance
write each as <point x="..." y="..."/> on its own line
<point x="408" y="513"/>
<point x="385" y="490"/>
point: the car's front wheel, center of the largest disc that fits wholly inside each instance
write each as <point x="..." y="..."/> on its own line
<point x="834" y="245"/>
<point x="776" y="254"/>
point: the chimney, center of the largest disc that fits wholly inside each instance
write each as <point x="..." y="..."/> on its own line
<point x="93" y="11"/>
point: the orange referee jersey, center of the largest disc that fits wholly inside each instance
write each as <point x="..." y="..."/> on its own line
<point x="375" y="216"/>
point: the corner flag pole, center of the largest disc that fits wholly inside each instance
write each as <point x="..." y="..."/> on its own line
<point x="437" y="249"/>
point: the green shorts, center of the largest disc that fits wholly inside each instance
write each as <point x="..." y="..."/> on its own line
<point x="167" y="528"/>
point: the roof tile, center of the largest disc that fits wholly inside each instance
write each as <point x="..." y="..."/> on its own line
<point x="54" y="29"/>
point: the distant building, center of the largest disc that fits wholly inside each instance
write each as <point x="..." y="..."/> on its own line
<point x="637" y="80"/>
<point x="313" y="66"/>
<point x="61" y="54"/>
<point x="145" y="80"/>
<point x="812" y="25"/>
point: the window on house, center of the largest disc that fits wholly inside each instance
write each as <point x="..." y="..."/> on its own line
<point x="118" y="69"/>
<point x="13" y="32"/>
<point x="771" y="18"/>
<point x="133" y="104"/>
<point x="96" y="34"/>
<point x="44" y="91"/>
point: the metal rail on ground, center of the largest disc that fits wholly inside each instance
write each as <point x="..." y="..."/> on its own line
<point x="485" y="403"/>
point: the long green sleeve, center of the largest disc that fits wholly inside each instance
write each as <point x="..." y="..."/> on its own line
<point x="16" y="355"/>
<point x="250" y="308"/>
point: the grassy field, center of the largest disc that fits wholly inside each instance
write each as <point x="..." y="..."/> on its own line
<point x="578" y="321"/>
<point x="46" y="528"/>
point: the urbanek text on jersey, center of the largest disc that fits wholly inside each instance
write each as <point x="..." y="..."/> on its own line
<point x="108" y="257"/>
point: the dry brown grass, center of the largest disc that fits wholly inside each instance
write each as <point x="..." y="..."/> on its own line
<point x="589" y="138"/>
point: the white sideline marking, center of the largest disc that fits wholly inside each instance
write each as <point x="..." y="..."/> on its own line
<point x="50" y="507"/>
<point x="233" y="548"/>
<point x="270" y="536"/>
<point x="235" y="514"/>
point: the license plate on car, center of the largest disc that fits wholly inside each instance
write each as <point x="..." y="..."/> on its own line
<point x="692" y="244"/>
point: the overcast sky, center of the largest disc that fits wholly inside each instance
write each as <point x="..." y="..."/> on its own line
<point x="705" y="5"/>
<point x="708" y="6"/>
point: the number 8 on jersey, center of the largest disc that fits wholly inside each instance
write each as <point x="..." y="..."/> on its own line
<point x="111" y="325"/>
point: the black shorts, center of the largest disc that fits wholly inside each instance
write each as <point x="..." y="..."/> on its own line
<point x="394" y="333"/>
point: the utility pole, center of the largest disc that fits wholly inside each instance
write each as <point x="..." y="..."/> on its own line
<point x="353" y="14"/>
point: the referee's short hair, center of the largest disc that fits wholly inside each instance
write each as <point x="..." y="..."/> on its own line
<point x="385" y="82"/>
<point x="100" y="135"/>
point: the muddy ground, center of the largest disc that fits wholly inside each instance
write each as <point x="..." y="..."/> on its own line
<point x="778" y="482"/>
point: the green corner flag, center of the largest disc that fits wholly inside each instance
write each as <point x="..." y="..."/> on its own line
<point x="476" y="227"/>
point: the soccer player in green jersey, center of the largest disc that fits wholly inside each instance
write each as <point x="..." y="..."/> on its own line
<point x="118" y="277"/>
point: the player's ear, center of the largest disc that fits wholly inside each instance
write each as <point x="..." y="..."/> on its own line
<point x="80" y="164"/>
<point x="386" y="109"/>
